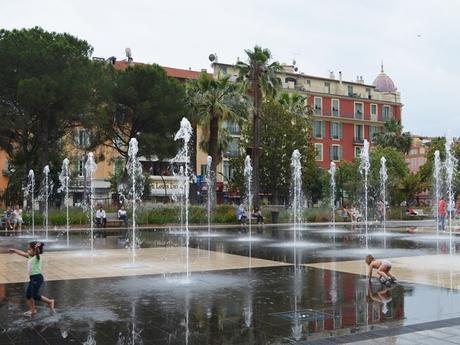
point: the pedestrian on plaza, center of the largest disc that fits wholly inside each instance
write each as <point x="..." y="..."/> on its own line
<point x="442" y="212"/>
<point x="9" y="219"/>
<point x="34" y="268"/>
<point x="17" y="218"/>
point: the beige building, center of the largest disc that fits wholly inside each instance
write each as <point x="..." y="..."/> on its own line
<point x="417" y="153"/>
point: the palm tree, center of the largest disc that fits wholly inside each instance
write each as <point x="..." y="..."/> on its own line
<point x="212" y="101"/>
<point x="259" y="77"/>
<point x="393" y="136"/>
<point x="294" y="103"/>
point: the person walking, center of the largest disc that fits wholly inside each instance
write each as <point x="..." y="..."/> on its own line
<point x="442" y="212"/>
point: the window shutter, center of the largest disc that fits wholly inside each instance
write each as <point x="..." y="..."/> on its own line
<point x="340" y="153"/>
<point x="323" y="129"/>
<point x="340" y="130"/>
<point x="331" y="157"/>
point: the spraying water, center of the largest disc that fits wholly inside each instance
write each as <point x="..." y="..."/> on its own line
<point x="297" y="199"/>
<point x="64" y="178"/>
<point x="90" y="169"/>
<point x="451" y="167"/>
<point x="437" y="185"/>
<point x="332" y="171"/>
<point x="364" y="167"/>
<point x="383" y="187"/>
<point x="185" y="134"/>
<point x="134" y="168"/>
<point x="248" y="184"/>
<point x="209" y="182"/>
<point x="30" y="192"/>
<point x="46" y="171"/>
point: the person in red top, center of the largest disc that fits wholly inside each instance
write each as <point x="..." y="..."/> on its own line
<point x="442" y="211"/>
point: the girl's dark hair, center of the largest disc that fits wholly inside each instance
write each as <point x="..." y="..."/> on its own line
<point x="37" y="247"/>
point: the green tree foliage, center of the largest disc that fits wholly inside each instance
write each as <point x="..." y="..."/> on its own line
<point x="294" y="103"/>
<point x="142" y="102"/>
<point x="213" y="100"/>
<point x="281" y="133"/>
<point x="393" y="136"/>
<point x="46" y="83"/>
<point x="259" y="77"/>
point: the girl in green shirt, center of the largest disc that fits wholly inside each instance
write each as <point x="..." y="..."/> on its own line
<point x="34" y="268"/>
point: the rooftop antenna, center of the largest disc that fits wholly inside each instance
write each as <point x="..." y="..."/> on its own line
<point x="381" y="66"/>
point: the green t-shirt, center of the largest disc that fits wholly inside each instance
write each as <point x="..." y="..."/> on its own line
<point x="34" y="266"/>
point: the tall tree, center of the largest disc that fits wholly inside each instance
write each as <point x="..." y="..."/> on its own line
<point x="259" y="75"/>
<point x="393" y="136"/>
<point x="142" y="102"/>
<point x="214" y="100"/>
<point x="45" y="85"/>
<point x="295" y="103"/>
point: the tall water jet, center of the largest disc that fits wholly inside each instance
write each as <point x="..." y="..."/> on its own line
<point x="383" y="188"/>
<point x="136" y="177"/>
<point x="46" y="171"/>
<point x="451" y="167"/>
<point x="210" y="186"/>
<point x="185" y="134"/>
<point x="64" y="179"/>
<point x="297" y="199"/>
<point x="30" y="193"/>
<point x="364" y="167"/>
<point x="332" y="171"/>
<point x="437" y="185"/>
<point x="248" y="185"/>
<point x="90" y="169"/>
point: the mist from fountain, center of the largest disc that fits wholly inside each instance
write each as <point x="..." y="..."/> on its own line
<point x="30" y="193"/>
<point x="185" y="134"/>
<point x="210" y="187"/>
<point x="332" y="171"/>
<point x="296" y="197"/>
<point x="136" y="188"/>
<point x="248" y="187"/>
<point x="383" y="188"/>
<point x="451" y="167"/>
<point x="90" y="169"/>
<point x="64" y="179"/>
<point x="437" y="185"/>
<point x="46" y="195"/>
<point x="364" y="167"/>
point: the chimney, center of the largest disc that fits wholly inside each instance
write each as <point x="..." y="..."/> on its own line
<point x="340" y="77"/>
<point x="331" y="75"/>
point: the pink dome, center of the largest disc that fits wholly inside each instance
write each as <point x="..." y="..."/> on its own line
<point x="383" y="83"/>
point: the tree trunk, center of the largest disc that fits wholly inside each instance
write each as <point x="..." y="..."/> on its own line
<point x="214" y="153"/>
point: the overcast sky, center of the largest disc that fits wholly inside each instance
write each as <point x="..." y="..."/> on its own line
<point x="418" y="40"/>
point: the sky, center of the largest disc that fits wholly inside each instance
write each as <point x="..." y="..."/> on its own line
<point x="418" y="40"/>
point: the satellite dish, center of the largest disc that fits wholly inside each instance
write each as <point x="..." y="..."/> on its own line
<point x="296" y="69"/>
<point x="212" y="57"/>
<point x="294" y="62"/>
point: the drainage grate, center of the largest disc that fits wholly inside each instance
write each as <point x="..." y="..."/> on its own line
<point x="303" y="315"/>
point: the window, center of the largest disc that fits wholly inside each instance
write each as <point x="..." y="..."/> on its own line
<point x="372" y="133"/>
<point x="359" y="111"/>
<point x="374" y="114"/>
<point x="82" y="138"/>
<point x="327" y="86"/>
<point x="319" y="152"/>
<point x="318" y="105"/>
<point x="228" y="171"/>
<point x="117" y="166"/>
<point x="232" y="127"/>
<point x="369" y="92"/>
<point x="336" y="152"/>
<point x="386" y="115"/>
<point x="80" y="165"/>
<point x="359" y="133"/>
<point x="335" y="106"/>
<point x="308" y="82"/>
<point x="350" y="91"/>
<point x="223" y="69"/>
<point x="233" y="148"/>
<point x="204" y="169"/>
<point x="336" y="130"/>
<point x="358" y="152"/>
<point x="319" y="130"/>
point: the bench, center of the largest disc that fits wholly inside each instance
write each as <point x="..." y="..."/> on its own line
<point x="113" y="221"/>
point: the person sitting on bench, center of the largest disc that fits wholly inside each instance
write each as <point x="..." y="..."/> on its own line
<point x="123" y="215"/>
<point x="258" y="214"/>
<point x="101" y="218"/>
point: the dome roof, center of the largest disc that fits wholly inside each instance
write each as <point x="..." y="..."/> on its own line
<point x="383" y="83"/>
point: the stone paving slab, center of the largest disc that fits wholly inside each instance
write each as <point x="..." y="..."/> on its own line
<point x="115" y="263"/>
<point x="436" y="270"/>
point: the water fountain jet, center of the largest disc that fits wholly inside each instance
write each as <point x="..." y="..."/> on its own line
<point x="383" y="186"/>
<point x="248" y="184"/>
<point x="64" y="178"/>
<point x="364" y="167"/>
<point x="90" y="169"/>
<point x="451" y="167"/>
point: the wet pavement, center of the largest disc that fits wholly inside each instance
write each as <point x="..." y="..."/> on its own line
<point x="267" y="305"/>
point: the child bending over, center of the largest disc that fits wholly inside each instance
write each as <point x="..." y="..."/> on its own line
<point x="383" y="268"/>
